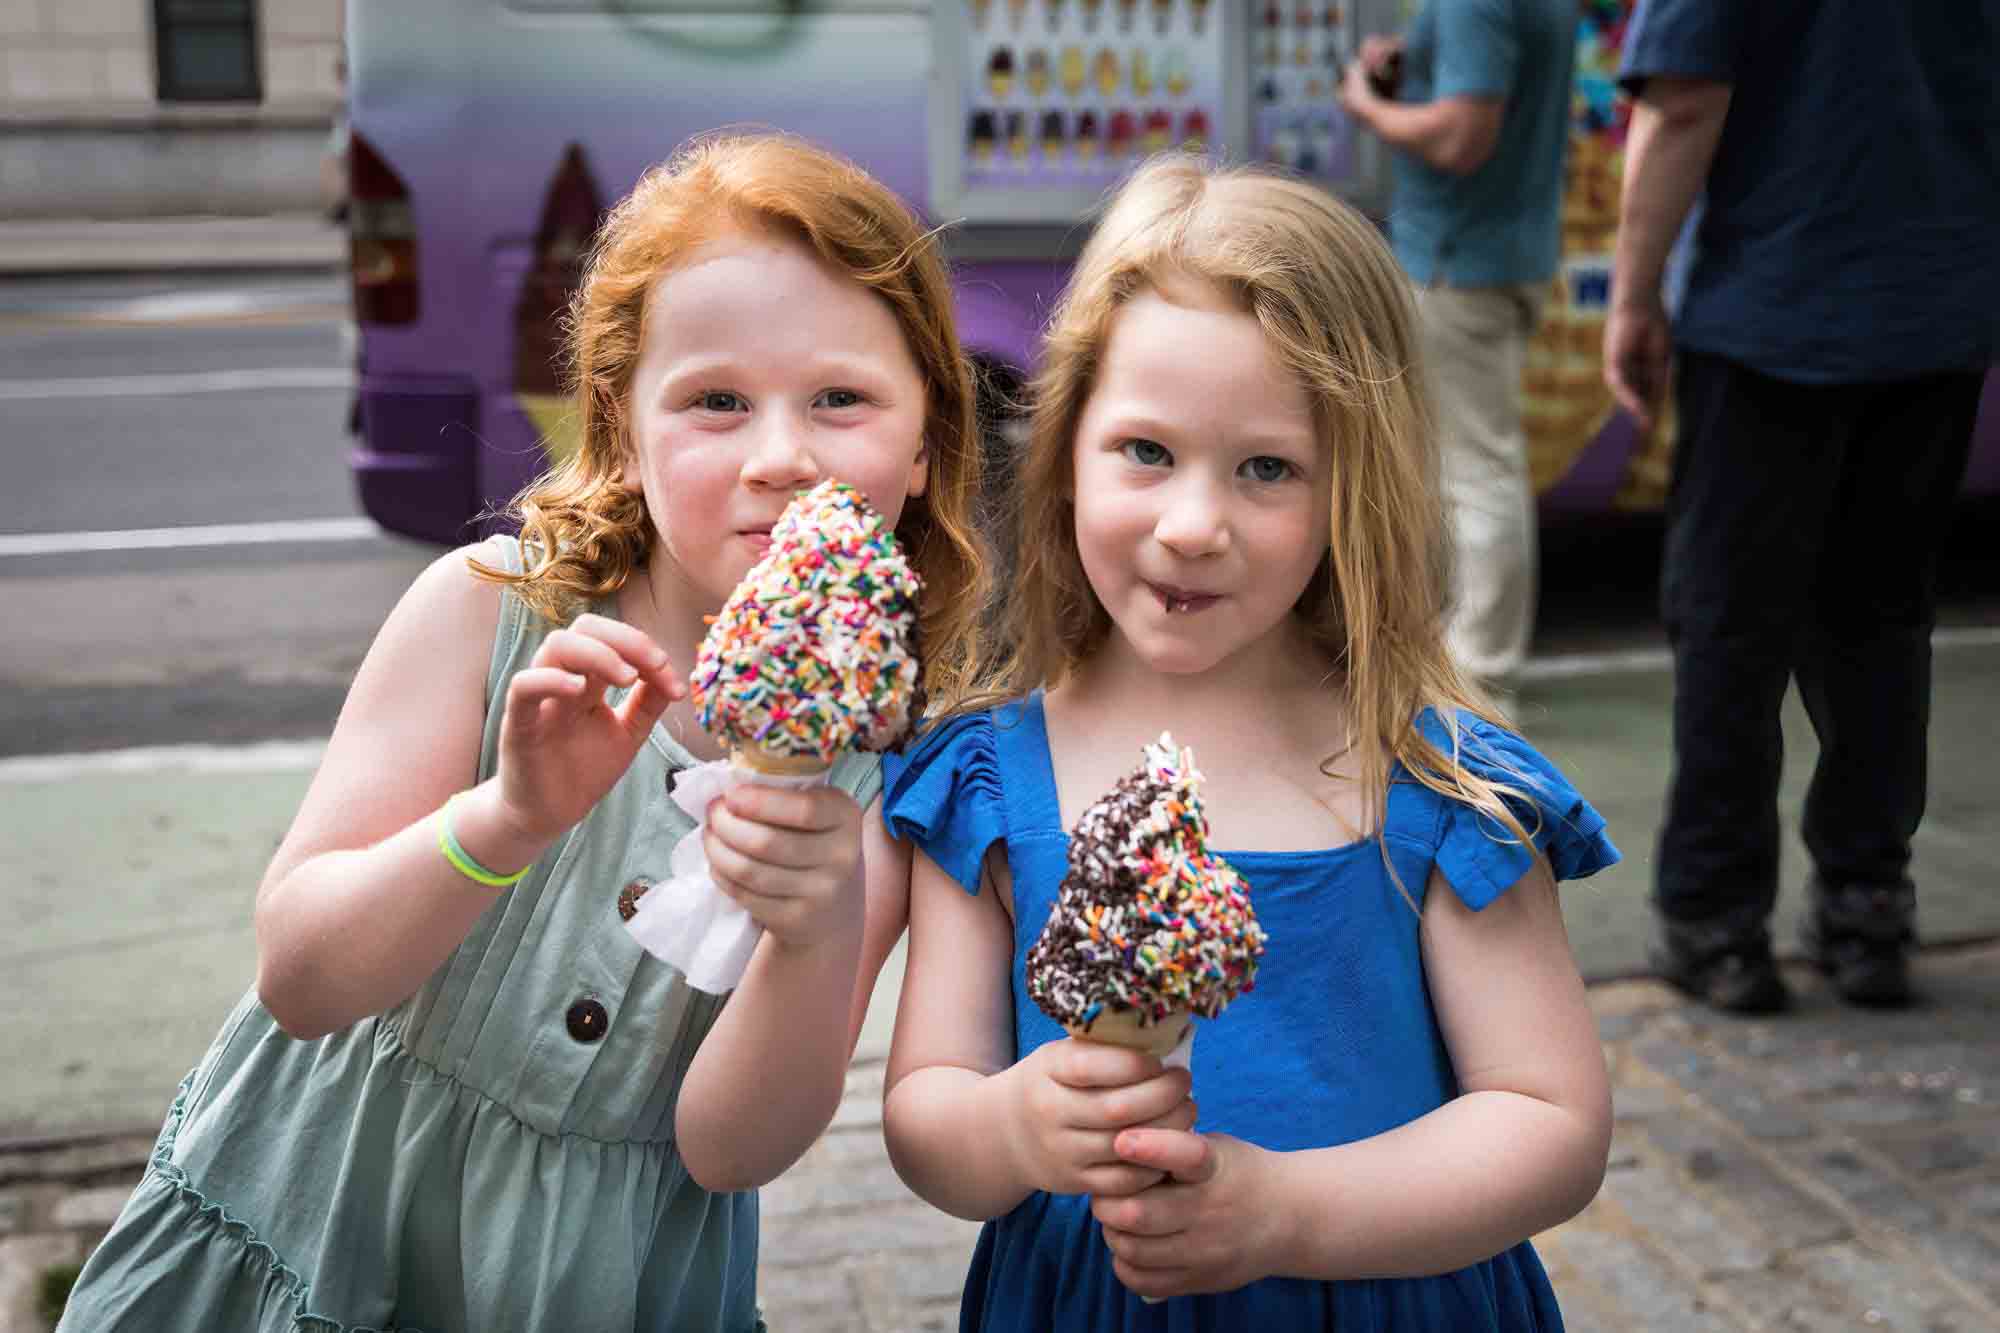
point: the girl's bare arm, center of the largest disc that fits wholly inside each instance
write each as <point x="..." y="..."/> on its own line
<point x="970" y="1130"/>
<point x="769" y="1077"/>
<point x="946" y="1131"/>
<point x="1522" y="1147"/>
<point x="359" y="905"/>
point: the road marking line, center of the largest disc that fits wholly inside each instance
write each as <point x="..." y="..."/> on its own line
<point x="168" y="307"/>
<point x="201" y="760"/>
<point x="167" y="386"/>
<point x="318" y="299"/>
<point x="190" y="538"/>
<point x="1596" y="664"/>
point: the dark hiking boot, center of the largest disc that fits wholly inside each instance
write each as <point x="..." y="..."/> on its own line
<point x="1725" y="962"/>
<point x="1860" y="936"/>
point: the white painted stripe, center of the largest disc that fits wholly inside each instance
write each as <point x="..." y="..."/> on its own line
<point x="1572" y="665"/>
<point x="190" y="538"/>
<point x="168" y="386"/>
<point x="170" y="306"/>
<point x="262" y="757"/>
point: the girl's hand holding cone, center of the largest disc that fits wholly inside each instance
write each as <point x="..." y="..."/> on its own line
<point x="1069" y="1100"/>
<point x="791" y="857"/>
<point x="1209" y="1225"/>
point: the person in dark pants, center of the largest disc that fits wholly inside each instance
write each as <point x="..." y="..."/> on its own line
<point x="1840" y="314"/>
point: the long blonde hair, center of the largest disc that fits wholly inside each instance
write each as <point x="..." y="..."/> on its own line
<point x="587" y="531"/>
<point x="1337" y="311"/>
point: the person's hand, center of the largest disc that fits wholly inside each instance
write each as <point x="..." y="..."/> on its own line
<point x="1378" y="52"/>
<point x="1207" y="1226"/>
<point x="1070" y="1099"/>
<point x="1357" y="95"/>
<point x="1637" y="347"/>
<point x="561" y="745"/>
<point x="791" y="857"/>
<point x="1371" y="70"/>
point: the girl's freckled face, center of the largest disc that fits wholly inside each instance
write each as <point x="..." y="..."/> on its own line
<point x="764" y="370"/>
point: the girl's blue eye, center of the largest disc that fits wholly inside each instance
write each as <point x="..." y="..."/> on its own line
<point x="1266" y="468"/>
<point x="721" y="400"/>
<point x="840" y="398"/>
<point x="1146" y="453"/>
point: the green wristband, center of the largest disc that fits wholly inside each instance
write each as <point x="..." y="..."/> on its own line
<point x="462" y="861"/>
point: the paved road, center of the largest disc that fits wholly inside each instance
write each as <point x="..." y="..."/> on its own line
<point x="179" y="533"/>
<point x="133" y="405"/>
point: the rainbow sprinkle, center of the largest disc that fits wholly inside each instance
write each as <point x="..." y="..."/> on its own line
<point x="815" y="652"/>
<point x="1147" y="919"/>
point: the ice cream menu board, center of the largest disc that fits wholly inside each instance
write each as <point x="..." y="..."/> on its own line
<point x="1048" y="102"/>
<point x="1298" y="49"/>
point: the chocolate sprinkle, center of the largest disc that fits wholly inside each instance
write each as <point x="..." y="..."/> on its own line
<point x="628" y="898"/>
<point x="1147" y="918"/>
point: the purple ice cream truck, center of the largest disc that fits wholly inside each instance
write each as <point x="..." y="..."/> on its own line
<point x="490" y="136"/>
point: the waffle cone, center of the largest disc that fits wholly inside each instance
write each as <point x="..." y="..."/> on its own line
<point x="779" y="765"/>
<point x="1121" y="1027"/>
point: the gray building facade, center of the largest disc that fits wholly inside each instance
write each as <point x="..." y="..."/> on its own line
<point x="137" y="108"/>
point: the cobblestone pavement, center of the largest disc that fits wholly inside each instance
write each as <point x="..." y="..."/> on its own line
<point x="1829" y="1169"/>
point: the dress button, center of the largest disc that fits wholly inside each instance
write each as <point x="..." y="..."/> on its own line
<point x="628" y="898"/>
<point x="587" y="1020"/>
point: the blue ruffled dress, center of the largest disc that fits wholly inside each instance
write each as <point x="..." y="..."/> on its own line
<point x="1337" y="1042"/>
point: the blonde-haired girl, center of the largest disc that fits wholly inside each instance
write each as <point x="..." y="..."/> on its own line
<point x="1230" y="529"/>
<point x="461" y="1096"/>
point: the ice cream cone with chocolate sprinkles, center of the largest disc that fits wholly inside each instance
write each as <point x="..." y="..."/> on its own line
<point x="1150" y="928"/>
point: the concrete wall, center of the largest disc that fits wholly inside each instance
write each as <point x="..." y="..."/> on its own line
<point x="83" y="132"/>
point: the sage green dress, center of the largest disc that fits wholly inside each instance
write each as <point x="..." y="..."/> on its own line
<point x="495" y="1153"/>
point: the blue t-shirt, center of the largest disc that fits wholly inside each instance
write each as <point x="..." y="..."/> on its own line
<point x="1500" y="223"/>
<point x="1850" y="228"/>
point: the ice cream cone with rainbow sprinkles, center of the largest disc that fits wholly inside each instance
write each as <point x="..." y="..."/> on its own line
<point x="816" y="651"/>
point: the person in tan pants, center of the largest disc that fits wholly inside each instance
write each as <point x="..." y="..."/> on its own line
<point x="1475" y="340"/>
<point x="1473" y="101"/>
